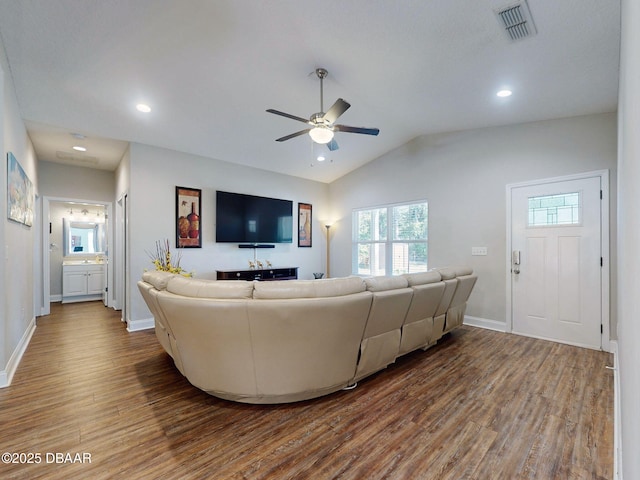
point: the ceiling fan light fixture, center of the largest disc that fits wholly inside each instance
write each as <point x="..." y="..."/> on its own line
<point x="321" y="134"/>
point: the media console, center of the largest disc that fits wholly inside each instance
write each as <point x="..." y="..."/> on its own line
<point x="288" y="273"/>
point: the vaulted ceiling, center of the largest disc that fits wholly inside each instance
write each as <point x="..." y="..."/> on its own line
<point x="210" y="68"/>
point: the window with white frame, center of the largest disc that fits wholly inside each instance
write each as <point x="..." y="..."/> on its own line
<point x="390" y="240"/>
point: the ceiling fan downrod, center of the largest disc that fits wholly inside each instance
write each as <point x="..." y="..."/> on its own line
<point x="321" y="73"/>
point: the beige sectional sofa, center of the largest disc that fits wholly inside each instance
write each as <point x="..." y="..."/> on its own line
<point x="285" y="341"/>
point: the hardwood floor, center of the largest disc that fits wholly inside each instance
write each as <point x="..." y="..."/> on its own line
<point x="480" y="405"/>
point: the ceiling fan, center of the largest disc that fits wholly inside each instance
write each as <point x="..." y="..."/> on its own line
<point x="322" y="125"/>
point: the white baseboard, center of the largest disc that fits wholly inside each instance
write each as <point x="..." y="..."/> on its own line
<point x="7" y="375"/>
<point x="143" y="324"/>
<point x="55" y="298"/>
<point x="485" y="323"/>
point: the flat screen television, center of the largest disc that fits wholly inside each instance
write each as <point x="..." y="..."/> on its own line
<point x="249" y="219"/>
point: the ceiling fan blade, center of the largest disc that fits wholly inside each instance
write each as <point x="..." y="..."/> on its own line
<point x="288" y="115"/>
<point x="293" y="135"/>
<point x="366" y="131"/>
<point x="338" y="108"/>
<point x="333" y="145"/>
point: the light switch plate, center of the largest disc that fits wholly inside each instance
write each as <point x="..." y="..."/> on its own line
<point x="478" y="251"/>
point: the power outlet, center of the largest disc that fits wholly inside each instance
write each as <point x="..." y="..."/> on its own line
<point x="478" y="251"/>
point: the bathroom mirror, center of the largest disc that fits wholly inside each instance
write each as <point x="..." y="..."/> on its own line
<point x="81" y="238"/>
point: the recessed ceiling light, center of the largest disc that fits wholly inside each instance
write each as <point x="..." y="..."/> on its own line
<point x="143" y="108"/>
<point x="504" y="93"/>
<point x="78" y="148"/>
<point x="321" y="158"/>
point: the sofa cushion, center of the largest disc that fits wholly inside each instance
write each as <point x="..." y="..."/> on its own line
<point x="431" y="276"/>
<point x="329" y="287"/>
<point x="382" y="283"/>
<point x="447" y="273"/>
<point x="462" y="270"/>
<point x="158" y="278"/>
<point x="203" y="288"/>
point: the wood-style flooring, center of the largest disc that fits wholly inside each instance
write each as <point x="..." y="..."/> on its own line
<point x="480" y="405"/>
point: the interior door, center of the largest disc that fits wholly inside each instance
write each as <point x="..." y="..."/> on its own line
<point x="556" y="261"/>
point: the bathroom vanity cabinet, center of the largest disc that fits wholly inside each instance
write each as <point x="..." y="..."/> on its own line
<point x="82" y="282"/>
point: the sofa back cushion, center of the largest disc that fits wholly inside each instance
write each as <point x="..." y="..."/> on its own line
<point x="382" y="283"/>
<point x="203" y="288"/>
<point x="447" y="273"/>
<point x="423" y="278"/>
<point x="158" y="278"/>
<point x="329" y="287"/>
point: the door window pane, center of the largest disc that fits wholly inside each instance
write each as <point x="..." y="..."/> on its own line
<point x="562" y="209"/>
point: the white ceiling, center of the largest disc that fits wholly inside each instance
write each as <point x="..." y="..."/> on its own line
<point x="210" y="68"/>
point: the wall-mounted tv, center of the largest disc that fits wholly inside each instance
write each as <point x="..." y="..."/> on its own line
<point x="242" y="218"/>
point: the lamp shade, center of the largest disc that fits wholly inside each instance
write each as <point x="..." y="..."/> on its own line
<point x="321" y="134"/>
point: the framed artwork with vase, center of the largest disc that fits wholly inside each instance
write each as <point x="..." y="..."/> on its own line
<point x="304" y="224"/>
<point x="188" y="214"/>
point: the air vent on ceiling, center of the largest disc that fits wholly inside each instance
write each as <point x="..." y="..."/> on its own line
<point x="517" y="21"/>
<point x="79" y="159"/>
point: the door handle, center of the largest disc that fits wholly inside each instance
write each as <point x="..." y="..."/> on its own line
<point x="515" y="261"/>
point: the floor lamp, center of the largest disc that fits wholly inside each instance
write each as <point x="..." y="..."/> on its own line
<point x="328" y="257"/>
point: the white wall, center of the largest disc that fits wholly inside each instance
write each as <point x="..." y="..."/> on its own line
<point x="69" y="182"/>
<point x="154" y="174"/>
<point x="629" y="239"/>
<point x="18" y="241"/>
<point x="3" y="208"/>
<point x="463" y="175"/>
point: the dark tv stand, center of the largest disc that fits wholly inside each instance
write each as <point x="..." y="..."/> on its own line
<point x="288" y="273"/>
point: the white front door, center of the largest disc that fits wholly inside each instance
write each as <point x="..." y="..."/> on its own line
<point x="556" y="261"/>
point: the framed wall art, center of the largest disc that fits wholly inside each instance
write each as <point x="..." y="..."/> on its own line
<point x="20" y="194"/>
<point x="304" y="224"/>
<point x="188" y="215"/>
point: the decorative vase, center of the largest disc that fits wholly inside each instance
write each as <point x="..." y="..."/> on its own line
<point x="183" y="227"/>
<point x="194" y="222"/>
